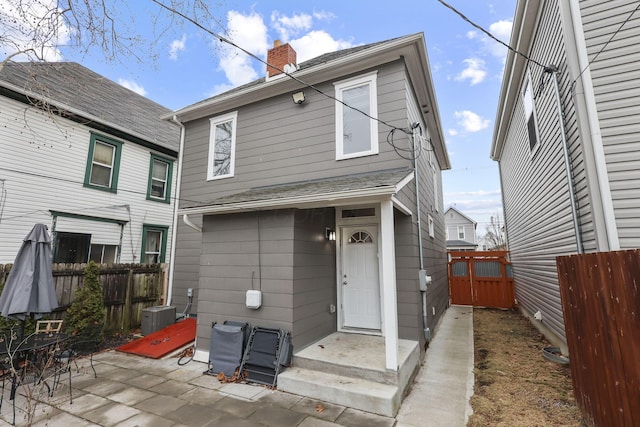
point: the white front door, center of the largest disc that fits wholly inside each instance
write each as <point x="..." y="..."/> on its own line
<point x="359" y="282"/>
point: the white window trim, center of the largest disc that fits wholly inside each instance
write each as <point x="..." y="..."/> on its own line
<point x="213" y="122"/>
<point x="371" y="80"/>
<point x="431" y="225"/>
<point x="461" y="227"/>
<point x="528" y="88"/>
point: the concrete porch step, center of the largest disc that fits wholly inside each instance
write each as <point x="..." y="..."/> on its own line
<point x="370" y="396"/>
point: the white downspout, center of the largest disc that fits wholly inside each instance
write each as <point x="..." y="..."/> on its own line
<point x="176" y="203"/>
<point x="188" y="222"/>
<point x="589" y="99"/>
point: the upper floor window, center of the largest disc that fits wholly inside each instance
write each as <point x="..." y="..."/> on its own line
<point x="222" y="145"/>
<point x="159" y="185"/>
<point x="530" y="114"/>
<point x="103" y="163"/>
<point x="154" y="243"/>
<point x="461" y="232"/>
<point x="356" y="133"/>
<point x="431" y="226"/>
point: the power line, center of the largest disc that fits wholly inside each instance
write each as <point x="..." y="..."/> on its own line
<point x="460" y="14"/>
<point x="256" y="57"/>
<point x="604" y="46"/>
<point x="71" y="181"/>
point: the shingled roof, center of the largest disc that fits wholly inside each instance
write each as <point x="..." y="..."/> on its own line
<point x="273" y="195"/>
<point x="77" y="92"/>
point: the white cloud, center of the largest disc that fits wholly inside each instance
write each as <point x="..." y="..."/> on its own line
<point x="472" y="35"/>
<point x="470" y="121"/>
<point x="475" y="72"/>
<point x="249" y="30"/>
<point x="289" y="26"/>
<point x="245" y="30"/>
<point x="477" y="193"/>
<point x="502" y="31"/>
<point x="452" y="132"/>
<point x="177" y="46"/>
<point x="316" y="43"/>
<point x="131" y="85"/>
<point x="39" y="27"/>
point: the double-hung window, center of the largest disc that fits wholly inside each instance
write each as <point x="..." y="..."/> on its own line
<point x="530" y="114"/>
<point x="103" y="163"/>
<point x="154" y="243"/>
<point x="222" y="145"/>
<point x="356" y="110"/>
<point x="159" y="185"/>
<point x="461" y="232"/>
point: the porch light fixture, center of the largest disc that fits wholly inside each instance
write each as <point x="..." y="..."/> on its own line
<point x="298" y="97"/>
<point x="330" y="234"/>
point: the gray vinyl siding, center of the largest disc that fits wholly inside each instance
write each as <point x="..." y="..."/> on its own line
<point x="535" y="190"/>
<point x="410" y="321"/>
<point x="615" y="82"/>
<point x="314" y="276"/>
<point x="187" y="264"/>
<point x="234" y="260"/>
<point x="279" y="142"/>
<point x="284" y="254"/>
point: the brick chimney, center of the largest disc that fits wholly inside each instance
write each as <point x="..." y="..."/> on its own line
<point x="279" y="56"/>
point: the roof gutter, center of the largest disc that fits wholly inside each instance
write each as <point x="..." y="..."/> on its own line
<point x="338" y="198"/>
<point x="515" y="65"/>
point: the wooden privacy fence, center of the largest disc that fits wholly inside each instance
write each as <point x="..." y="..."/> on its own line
<point x="481" y="279"/>
<point x="601" y="306"/>
<point x="128" y="289"/>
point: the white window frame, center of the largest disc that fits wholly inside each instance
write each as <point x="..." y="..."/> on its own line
<point x="367" y="79"/>
<point x="431" y="226"/>
<point x="529" y="107"/>
<point x="461" y="234"/>
<point x="215" y="121"/>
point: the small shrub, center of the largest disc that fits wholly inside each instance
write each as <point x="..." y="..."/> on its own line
<point x="86" y="316"/>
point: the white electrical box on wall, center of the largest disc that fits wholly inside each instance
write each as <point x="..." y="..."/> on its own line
<point x="254" y="299"/>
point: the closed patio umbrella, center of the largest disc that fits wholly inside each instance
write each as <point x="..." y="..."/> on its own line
<point x="29" y="290"/>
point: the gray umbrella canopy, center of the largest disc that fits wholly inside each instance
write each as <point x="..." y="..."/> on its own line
<point x="29" y="290"/>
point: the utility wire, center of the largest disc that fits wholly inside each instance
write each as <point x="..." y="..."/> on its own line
<point x="460" y="14"/>
<point x="604" y="46"/>
<point x="256" y="57"/>
<point x="71" y="181"/>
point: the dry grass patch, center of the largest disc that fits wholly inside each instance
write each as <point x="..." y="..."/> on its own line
<point x="514" y="384"/>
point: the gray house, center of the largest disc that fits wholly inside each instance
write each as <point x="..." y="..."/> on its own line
<point x="566" y="139"/>
<point x="460" y="231"/>
<point x="305" y="192"/>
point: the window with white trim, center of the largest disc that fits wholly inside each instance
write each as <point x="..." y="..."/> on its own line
<point x="530" y="114"/>
<point x="356" y="133"/>
<point x="431" y="226"/>
<point x="461" y="232"/>
<point x="222" y="146"/>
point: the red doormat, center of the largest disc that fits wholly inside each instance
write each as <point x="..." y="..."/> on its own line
<point x="162" y="342"/>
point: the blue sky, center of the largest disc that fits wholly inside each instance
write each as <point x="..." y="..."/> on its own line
<point x="185" y="64"/>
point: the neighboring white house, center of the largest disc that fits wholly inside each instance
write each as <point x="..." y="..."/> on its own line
<point x="567" y="138"/>
<point x="88" y="158"/>
<point x="461" y="231"/>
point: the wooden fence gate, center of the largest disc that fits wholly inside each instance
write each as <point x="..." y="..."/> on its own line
<point x="481" y="279"/>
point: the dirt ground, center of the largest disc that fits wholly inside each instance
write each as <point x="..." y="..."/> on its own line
<point x="514" y="384"/>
